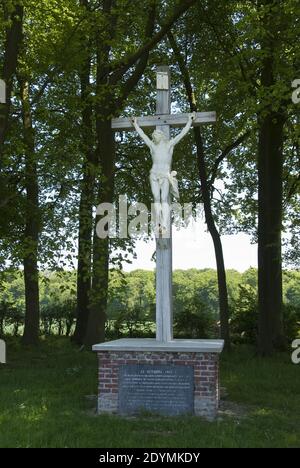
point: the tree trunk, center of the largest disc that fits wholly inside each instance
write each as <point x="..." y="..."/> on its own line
<point x="12" y="44"/>
<point x="31" y="234"/>
<point x="270" y="172"/>
<point x="105" y="161"/>
<point x="13" y="39"/>
<point x="206" y="197"/>
<point x="98" y="300"/>
<point x="85" y="212"/>
<point x="108" y="105"/>
<point x="270" y="166"/>
<point x="221" y="272"/>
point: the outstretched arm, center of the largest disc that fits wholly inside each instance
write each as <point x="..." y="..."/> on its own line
<point x="184" y="131"/>
<point x="141" y="133"/>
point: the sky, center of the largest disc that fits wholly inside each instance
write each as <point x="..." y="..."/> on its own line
<point x="193" y="248"/>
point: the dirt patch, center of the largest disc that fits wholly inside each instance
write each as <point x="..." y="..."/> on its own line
<point x="233" y="410"/>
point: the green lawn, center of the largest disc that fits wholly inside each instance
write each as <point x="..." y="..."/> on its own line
<point x="43" y="404"/>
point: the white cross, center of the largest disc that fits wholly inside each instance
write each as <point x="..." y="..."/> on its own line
<point x="162" y="121"/>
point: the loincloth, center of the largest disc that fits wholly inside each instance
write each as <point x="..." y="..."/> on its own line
<point x="160" y="177"/>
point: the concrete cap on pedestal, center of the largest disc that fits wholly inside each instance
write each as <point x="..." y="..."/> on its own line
<point x="151" y="344"/>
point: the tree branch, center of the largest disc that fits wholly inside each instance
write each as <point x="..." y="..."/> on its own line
<point x="192" y="100"/>
<point x="141" y="65"/>
<point x="225" y="153"/>
<point x="52" y="72"/>
<point x="184" y="72"/>
<point x="206" y="198"/>
<point x="236" y="52"/>
<point x="118" y="69"/>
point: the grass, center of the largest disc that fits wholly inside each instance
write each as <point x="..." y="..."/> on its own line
<point x="43" y="404"/>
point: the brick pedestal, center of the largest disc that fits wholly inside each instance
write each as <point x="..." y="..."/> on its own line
<point x="204" y="360"/>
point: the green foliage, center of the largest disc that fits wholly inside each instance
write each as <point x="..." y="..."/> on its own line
<point x="58" y="318"/>
<point x="58" y="303"/>
<point x="291" y="321"/>
<point x="222" y="46"/>
<point x="131" y="304"/>
<point x="244" y="316"/>
<point x="194" y="321"/>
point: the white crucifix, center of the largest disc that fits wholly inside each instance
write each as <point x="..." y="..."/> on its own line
<point x="163" y="185"/>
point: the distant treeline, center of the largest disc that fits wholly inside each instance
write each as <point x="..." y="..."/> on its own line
<point x="131" y="307"/>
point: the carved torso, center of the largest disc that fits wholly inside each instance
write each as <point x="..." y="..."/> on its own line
<point x="162" y="158"/>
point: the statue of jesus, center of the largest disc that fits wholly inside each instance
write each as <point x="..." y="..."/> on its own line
<point x="162" y="179"/>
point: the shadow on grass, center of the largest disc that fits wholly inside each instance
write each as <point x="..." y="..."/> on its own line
<point x="43" y="403"/>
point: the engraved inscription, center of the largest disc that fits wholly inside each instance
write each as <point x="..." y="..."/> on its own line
<point x="163" y="389"/>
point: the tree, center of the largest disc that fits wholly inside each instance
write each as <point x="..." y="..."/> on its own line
<point x="262" y="69"/>
<point x="109" y="76"/>
<point x="207" y="191"/>
<point x="13" y="16"/>
<point x="271" y="120"/>
<point x="87" y="194"/>
<point x="32" y="222"/>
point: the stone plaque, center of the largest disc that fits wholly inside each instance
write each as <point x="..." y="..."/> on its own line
<point x="163" y="389"/>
